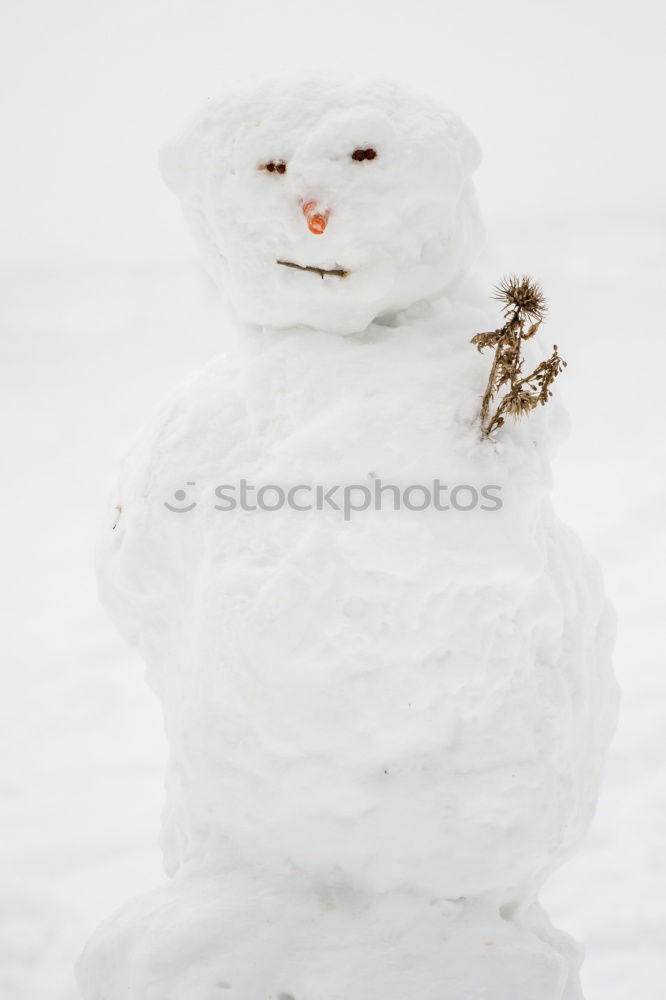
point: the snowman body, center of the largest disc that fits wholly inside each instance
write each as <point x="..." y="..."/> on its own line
<point x="387" y="699"/>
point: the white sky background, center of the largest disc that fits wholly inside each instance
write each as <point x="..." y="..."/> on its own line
<point x="101" y="312"/>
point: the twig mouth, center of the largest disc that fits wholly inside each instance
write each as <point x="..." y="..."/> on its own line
<point x="337" y="272"/>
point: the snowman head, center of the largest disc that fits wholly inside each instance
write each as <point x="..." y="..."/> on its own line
<point x="328" y="204"/>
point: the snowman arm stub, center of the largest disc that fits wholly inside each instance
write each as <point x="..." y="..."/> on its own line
<point x="127" y="556"/>
<point x="140" y="550"/>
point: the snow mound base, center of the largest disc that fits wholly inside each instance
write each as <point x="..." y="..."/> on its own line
<point x="202" y="937"/>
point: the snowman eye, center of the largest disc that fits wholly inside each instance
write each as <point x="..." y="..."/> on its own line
<point x="364" y="154"/>
<point x="274" y="167"/>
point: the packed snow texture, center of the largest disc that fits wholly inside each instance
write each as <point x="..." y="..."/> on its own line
<point x="385" y="731"/>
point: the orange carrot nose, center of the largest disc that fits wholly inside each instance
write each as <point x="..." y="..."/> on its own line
<point x="317" y="220"/>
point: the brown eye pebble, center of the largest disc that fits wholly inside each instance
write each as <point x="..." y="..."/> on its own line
<point x="281" y="168"/>
<point x="270" y="167"/>
<point x="370" y="154"/>
<point x="358" y="154"/>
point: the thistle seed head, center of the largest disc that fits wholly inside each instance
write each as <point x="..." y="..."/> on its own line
<point x="522" y="294"/>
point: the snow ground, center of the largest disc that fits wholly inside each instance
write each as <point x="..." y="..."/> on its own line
<point x="86" y="356"/>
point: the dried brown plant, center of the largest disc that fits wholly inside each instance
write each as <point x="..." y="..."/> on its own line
<point x="523" y="303"/>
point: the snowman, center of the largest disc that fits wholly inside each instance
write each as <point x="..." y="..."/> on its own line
<point x="384" y="664"/>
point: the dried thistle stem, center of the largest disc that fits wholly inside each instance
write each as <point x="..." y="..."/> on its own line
<point x="523" y="301"/>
